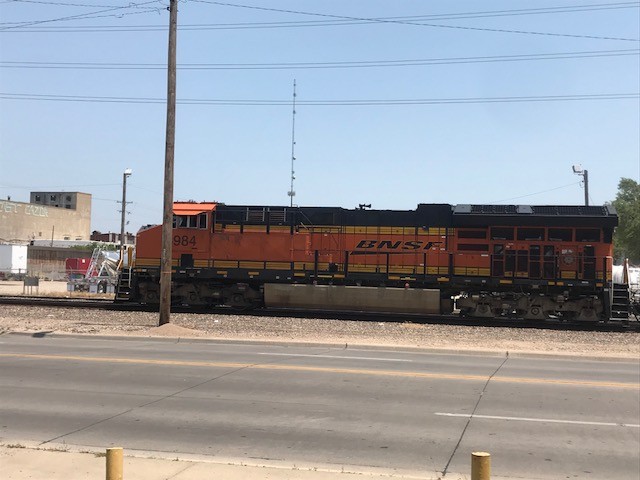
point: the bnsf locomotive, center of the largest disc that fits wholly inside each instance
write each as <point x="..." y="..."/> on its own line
<point x="532" y="262"/>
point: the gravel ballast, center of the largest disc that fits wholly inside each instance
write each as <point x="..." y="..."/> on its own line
<point x="58" y="320"/>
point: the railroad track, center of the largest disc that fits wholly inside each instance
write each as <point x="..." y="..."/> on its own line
<point x="106" y="304"/>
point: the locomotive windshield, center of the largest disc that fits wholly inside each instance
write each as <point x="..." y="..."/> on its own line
<point x="190" y="221"/>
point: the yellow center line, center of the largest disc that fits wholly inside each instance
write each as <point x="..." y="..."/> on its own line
<point x="348" y="371"/>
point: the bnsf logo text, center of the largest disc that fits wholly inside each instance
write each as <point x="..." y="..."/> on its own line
<point x="398" y="245"/>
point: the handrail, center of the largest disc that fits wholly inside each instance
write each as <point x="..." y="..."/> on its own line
<point x="625" y="271"/>
<point x="128" y="250"/>
<point x="610" y="286"/>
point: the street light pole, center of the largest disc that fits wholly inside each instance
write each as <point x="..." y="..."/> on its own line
<point x="586" y="187"/>
<point x="578" y="170"/>
<point x="126" y="174"/>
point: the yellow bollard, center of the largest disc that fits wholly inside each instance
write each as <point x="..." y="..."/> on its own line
<point x="114" y="463"/>
<point x="480" y="466"/>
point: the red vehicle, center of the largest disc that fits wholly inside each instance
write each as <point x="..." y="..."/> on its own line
<point x="533" y="262"/>
<point x="76" y="267"/>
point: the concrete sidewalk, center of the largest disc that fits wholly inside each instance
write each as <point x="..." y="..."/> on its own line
<point x="20" y="462"/>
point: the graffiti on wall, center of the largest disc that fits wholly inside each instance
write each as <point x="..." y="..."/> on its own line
<point x="24" y="208"/>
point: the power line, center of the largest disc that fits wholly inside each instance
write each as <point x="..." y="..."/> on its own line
<point x="105" y="199"/>
<point x="536" y="193"/>
<point x="67" y="4"/>
<point x="48" y="187"/>
<point x="147" y="189"/>
<point x="404" y="22"/>
<point x="322" y="65"/>
<point x="18" y="25"/>
<point x="119" y="15"/>
<point x="352" y="102"/>
<point x="340" y="21"/>
<point x="90" y="16"/>
<point x="66" y="187"/>
<point x="76" y="17"/>
<point x="489" y="13"/>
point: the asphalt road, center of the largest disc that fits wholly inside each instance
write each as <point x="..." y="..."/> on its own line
<point x="407" y="412"/>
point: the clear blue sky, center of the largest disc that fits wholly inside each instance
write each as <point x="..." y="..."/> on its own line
<point x="427" y="143"/>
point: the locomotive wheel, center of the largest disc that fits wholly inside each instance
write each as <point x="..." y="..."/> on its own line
<point x="152" y="297"/>
<point x="239" y="303"/>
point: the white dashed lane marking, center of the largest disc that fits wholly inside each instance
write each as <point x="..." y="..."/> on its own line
<point x="540" y="420"/>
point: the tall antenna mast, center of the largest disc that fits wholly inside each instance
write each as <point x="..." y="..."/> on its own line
<point x="291" y="191"/>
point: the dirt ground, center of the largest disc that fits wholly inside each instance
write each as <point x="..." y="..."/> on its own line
<point x="48" y="288"/>
<point x="236" y="327"/>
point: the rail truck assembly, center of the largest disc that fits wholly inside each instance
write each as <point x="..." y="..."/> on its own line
<point x="526" y="261"/>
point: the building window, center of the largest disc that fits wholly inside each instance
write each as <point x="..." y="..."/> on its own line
<point x="52" y="198"/>
<point x="37" y="198"/>
<point x="68" y="198"/>
<point x="68" y="207"/>
<point x="66" y="237"/>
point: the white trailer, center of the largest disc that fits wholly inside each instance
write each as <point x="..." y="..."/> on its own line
<point x="13" y="260"/>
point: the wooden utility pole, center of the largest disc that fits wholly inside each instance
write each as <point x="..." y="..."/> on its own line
<point x="167" y="217"/>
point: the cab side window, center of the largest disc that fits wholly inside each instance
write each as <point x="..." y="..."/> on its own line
<point x="190" y="221"/>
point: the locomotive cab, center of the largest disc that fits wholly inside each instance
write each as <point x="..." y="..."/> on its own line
<point x="191" y="233"/>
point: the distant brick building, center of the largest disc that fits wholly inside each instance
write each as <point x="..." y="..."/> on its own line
<point x="129" y="238"/>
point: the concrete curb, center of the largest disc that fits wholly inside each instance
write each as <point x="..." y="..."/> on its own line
<point x="68" y="461"/>
<point x="243" y="466"/>
<point x="390" y="348"/>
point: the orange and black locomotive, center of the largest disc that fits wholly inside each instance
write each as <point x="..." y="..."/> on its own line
<point x="532" y="262"/>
